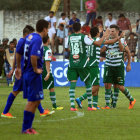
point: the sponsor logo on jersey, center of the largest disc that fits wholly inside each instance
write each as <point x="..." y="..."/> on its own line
<point x="76" y="56"/>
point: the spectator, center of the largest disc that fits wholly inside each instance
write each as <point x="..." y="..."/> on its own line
<point x="9" y="59"/>
<point x="52" y="30"/>
<point x="98" y="21"/>
<point x="3" y="46"/>
<point x="124" y="24"/>
<point x="73" y="20"/>
<point x="63" y="20"/>
<point x="61" y="34"/>
<point x="15" y="41"/>
<point x="91" y="7"/>
<point x="132" y="42"/>
<point x="138" y="32"/>
<point x="137" y="23"/>
<point x="110" y="21"/>
<point x="85" y="29"/>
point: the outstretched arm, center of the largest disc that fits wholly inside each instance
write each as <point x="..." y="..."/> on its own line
<point x="128" y="67"/>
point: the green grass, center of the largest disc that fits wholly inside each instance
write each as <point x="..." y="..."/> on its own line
<point x="113" y="124"/>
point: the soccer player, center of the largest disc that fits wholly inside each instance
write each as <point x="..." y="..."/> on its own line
<point x="32" y="78"/>
<point x="94" y="58"/>
<point x="78" y="64"/>
<point x="47" y="77"/>
<point x="18" y="83"/>
<point x="114" y="69"/>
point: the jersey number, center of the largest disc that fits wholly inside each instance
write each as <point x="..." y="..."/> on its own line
<point x="75" y="48"/>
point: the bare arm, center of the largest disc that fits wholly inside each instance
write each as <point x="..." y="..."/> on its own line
<point x="130" y="28"/>
<point x="121" y="47"/>
<point x="34" y="64"/>
<point x="103" y="49"/>
<point x="47" y="63"/>
<point x="18" y="60"/>
<point x="128" y="67"/>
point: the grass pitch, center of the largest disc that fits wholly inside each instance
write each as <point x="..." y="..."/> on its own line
<point x="113" y="124"/>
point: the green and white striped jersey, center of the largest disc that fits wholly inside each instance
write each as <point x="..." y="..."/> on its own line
<point x="114" y="57"/>
<point x="93" y="52"/>
<point x="47" y="57"/>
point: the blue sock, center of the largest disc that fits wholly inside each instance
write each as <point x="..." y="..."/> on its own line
<point x="40" y="108"/>
<point x="9" y="103"/>
<point x="27" y="120"/>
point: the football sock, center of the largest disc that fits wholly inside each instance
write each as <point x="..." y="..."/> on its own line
<point x="53" y="99"/>
<point x="40" y="108"/>
<point x="89" y="93"/>
<point x="9" y="103"/>
<point x="72" y="94"/>
<point x="83" y="97"/>
<point x="27" y="120"/>
<point x="107" y="96"/>
<point x="115" y="97"/>
<point x="95" y="100"/>
<point x="128" y="95"/>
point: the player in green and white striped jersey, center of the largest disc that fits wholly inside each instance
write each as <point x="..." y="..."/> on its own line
<point x="114" y="69"/>
<point x="93" y="52"/>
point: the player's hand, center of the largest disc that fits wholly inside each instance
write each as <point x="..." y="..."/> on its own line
<point x="47" y="77"/>
<point x="121" y="35"/>
<point x="128" y="67"/>
<point x="106" y="33"/>
<point x="38" y="71"/>
<point x="10" y="74"/>
<point x="18" y="73"/>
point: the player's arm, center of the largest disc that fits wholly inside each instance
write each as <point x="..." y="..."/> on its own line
<point x="48" y="57"/>
<point x="103" y="49"/>
<point x="128" y="67"/>
<point x="121" y="46"/>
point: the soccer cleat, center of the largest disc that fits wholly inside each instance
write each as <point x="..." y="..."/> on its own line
<point x="7" y="115"/>
<point x="106" y="107"/>
<point x="30" y="131"/>
<point x="131" y="105"/>
<point x="73" y="109"/>
<point x="47" y="112"/>
<point x="58" y="108"/>
<point x="78" y="102"/>
<point x="92" y="109"/>
<point x="98" y="107"/>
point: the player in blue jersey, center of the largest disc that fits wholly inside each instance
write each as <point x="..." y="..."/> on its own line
<point x="32" y="78"/>
<point x="18" y="83"/>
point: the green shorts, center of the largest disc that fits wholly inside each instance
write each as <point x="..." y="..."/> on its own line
<point x="49" y="84"/>
<point x="95" y="76"/>
<point x="114" y="75"/>
<point x="75" y="73"/>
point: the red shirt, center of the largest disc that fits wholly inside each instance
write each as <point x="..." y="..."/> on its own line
<point x="97" y="22"/>
<point x="124" y="24"/>
<point x="85" y="30"/>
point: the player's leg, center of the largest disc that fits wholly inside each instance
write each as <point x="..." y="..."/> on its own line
<point x="16" y="90"/>
<point x="115" y="95"/>
<point x="72" y="76"/>
<point x="128" y="95"/>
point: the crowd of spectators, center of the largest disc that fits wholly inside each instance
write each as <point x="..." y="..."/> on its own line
<point x="61" y="27"/>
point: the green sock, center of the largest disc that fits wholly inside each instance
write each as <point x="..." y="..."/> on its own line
<point x="115" y="97"/>
<point x="128" y="95"/>
<point x="89" y="93"/>
<point x="83" y="97"/>
<point x="107" y="96"/>
<point x="95" y="100"/>
<point x="53" y="99"/>
<point x="72" y="94"/>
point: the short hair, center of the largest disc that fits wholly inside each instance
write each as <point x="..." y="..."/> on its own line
<point x="76" y="27"/>
<point x="110" y="14"/>
<point x="41" y="24"/>
<point x="99" y="17"/>
<point x="14" y="39"/>
<point x="12" y="42"/>
<point x="45" y="39"/>
<point x="94" y="31"/>
<point x="132" y="33"/>
<point x="63" y="14"/>
<point x="121" y="15"/>
<point x="30" y="28"/>
<point x="114" y="26"/>
<point x="51" y="12"/>
<point x="62" y="25"/>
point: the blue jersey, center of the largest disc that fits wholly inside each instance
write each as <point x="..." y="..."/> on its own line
<point x="33" y="47"/>
<point x="20" y="50"/>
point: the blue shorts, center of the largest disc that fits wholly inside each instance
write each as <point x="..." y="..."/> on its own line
<point x="32" y="86"/>
<point x="18" y="85"/>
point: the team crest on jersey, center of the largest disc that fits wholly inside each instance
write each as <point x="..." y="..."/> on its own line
<point x="76" y="56"/>
<point x="30" y="37"/>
